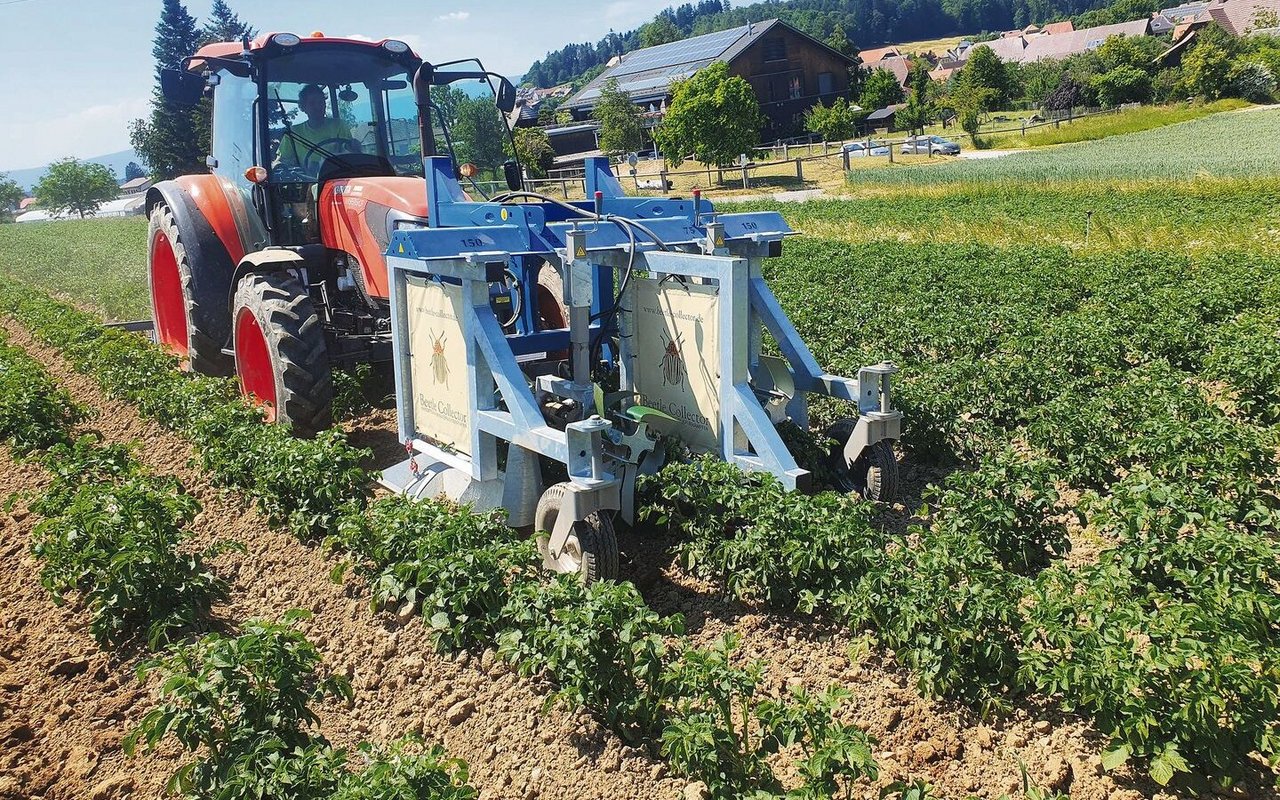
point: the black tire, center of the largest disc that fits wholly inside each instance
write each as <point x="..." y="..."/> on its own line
<point x="878" y="467"/>
<point x="596" y="554"/>
<point x="874" y="475"/>
<point x="203" y="299"/>
<point x="296" y="354"/>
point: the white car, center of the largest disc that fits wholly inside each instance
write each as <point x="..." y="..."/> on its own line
<point x="866" y="148"/>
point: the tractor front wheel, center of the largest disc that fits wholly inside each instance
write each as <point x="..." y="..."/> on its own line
<point x="187" y="304"/>
<point x="281" y="356"/>
<point x="590" y="552"/>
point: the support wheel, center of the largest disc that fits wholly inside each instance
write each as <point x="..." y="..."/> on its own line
<point x="591" y="551"/>
<point x="187" y="302"/>
<point x="281" y="356"/>
<point x="875" y="473"/>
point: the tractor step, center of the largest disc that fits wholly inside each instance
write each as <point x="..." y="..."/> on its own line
<point x="137" y="326"/>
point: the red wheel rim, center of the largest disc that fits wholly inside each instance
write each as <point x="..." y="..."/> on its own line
<point x="549" y="310"/>
<point x="550" y="317"/>
<point x="253" y="363"/>
<point x="167" y="302"/>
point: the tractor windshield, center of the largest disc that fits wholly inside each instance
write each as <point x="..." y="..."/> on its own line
<point x="330" y="102"/>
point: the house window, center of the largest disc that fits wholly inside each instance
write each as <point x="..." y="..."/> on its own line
<point x="775" y="49"/>
<point x="795" y="89"/>
<point x="826" y="83"/>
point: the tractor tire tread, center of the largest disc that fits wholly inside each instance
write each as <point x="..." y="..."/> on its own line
<point x="293" y="329"/>
<point x="204" y="343"/>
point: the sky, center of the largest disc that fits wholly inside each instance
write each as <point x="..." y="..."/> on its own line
<point x="74" y="72"/>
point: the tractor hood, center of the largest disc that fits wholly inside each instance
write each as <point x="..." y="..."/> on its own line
<point x="358" y="215"/>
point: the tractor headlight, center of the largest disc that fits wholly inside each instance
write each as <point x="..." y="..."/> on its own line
<point x="396" y="46"/>
<point x="285" y="39"/>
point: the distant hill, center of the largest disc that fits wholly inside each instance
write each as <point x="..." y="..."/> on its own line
<point x="867" y="23"/>
<point x="27" y="178"/>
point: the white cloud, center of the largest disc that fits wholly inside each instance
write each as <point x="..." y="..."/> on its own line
<point x="30" y="140"/>
<point x="454" y="16"/>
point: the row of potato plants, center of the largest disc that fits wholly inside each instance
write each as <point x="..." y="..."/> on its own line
<point x="1029" y="371"/>
<point x="109" y="533"/>
<point x="116" y="537"/>
<point x="478" y="583"/>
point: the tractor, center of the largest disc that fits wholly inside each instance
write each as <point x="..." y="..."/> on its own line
<point x="546" y="353"/>
<point x="270" y="267"/>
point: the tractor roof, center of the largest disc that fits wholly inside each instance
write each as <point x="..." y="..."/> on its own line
<point x="234" y="49"/>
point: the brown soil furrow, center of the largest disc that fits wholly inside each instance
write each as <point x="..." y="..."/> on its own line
<point x="65" y="704"/>
<point x="475" y="707"/>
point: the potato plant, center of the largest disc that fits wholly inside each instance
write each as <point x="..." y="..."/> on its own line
<point x="34" y="413"/>
<point x="115" y="536"/>
<point x="242" y="706"/>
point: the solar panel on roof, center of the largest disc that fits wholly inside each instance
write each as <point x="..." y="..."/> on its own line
<point x="707" y="46"/>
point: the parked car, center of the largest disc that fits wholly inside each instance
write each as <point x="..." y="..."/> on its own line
<point x="930" y="145"/>
<point x="862" y="150"/>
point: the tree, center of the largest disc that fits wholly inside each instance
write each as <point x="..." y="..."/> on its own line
<point x="985" y="70"/>
<point x="225" y="25"/>
<point x="839" y="41"/>
<point x="711" y="115"/>
<point x="1068" y="95"/>
<point x="479" y="133"/>
<point x="1040" y="78"/>
<point x="919" y="82"/>
<point x="11" y="195"/>
<point x="970" y="103"/>
<point x="914" y="116"/>
<point x="75" y="185"/>
<point x="533" y="148"/>
<point x="621" y="128"/>
<point x="661" y="31"/>
<point x="835" y="122"/>
<point x="132" y="170"/>
<point x="1124" y="84"/>
<point x="1252" y="80"/>
<point x="881" y="89"/>
<point x="171" y="141"/>
<point x="1206" y="68"/>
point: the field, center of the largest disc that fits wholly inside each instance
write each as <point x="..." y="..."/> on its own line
<point x="1239" y="144"/>
<point x="1079" y="594"/>
<point x="1114" y="124"/>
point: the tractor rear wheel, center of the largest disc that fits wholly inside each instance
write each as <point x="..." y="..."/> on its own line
<point x="186" y="304"/>
<point x="590" y="552"/>
<point x="282" y="359"/>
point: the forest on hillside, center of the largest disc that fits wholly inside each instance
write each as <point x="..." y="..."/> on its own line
<point x="867" y="23"/>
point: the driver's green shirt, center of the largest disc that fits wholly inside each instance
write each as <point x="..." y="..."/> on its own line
<point x="294" y="149"/>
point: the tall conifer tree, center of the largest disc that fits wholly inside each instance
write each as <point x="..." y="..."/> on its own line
<point x="171" y="141"/>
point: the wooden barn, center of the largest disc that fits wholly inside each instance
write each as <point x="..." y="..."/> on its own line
<point x="789" y="70"/>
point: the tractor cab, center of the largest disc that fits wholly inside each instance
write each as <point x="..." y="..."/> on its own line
<point x="291" y="113"/>
<point x="272" y="267"/>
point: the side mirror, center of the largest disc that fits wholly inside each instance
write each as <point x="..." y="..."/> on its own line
<point x="506" y="99"/>
<point x="511" y="171"/>
<point x="181" y="88"/>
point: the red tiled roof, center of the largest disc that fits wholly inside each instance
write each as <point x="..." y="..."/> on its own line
<point x="1055" y="28"/>
<point x="900" y="66"/>
<point x="870" y="58"/>
<point x="1240" y="17"/>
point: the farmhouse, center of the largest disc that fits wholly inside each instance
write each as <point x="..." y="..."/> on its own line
<point x="789" y="71"/>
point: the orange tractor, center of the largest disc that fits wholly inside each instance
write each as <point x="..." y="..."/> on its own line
<point x="271" y="266"/>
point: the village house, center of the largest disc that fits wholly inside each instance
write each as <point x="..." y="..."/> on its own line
<point x="788" y="70"/>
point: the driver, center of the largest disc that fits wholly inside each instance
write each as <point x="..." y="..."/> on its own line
<point x="299" y="146"/>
